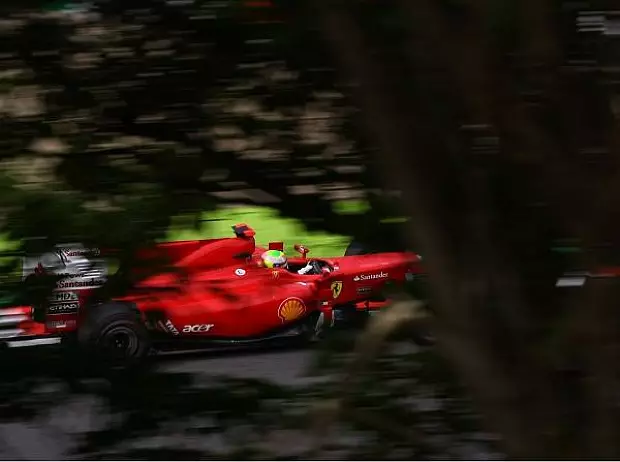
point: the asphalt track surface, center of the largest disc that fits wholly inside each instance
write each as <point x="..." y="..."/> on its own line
<point x="50" y="437"/>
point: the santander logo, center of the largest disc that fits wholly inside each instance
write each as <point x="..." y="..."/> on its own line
<point x="369" y="277"/>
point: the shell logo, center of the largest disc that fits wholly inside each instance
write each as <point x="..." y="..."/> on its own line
<point x="291" y="309"/>
<point x="275" y="274"/>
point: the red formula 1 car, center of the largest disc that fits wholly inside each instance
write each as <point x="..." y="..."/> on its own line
<point x="215" y="293"/>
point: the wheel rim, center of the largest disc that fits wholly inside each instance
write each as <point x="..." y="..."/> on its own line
<point x="120" y="342"/>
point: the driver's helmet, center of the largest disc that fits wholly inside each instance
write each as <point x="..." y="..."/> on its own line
<point x="51" y="262"/>
<point x="274" y="259"/>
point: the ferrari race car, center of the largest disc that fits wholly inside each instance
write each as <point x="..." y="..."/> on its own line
<point x="215" y="293"/>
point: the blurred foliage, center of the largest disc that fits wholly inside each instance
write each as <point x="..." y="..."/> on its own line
<point x="125" y="115"/>
<point x="120" y="119"/>
<point x="487" y="143"/>
<point x="269" y="226"/>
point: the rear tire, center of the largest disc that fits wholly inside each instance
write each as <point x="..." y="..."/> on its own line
<point x="113" y="337"/>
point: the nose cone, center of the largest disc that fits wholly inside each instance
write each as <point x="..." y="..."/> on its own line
<point x="403" y="261"/>
<point x="405" y="257"/>
<point x="396" y="258"/>
<point x="407" y="261"/>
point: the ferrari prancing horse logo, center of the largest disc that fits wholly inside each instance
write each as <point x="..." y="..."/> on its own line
<point x="336" y="288"/>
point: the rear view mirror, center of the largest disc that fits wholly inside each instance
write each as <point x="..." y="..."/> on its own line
<point x="242" y="230"/>
<point x="302" y="249"/>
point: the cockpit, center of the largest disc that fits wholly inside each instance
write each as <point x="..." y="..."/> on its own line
<point x="317" y="266"/>
<point x="295" y="265"/>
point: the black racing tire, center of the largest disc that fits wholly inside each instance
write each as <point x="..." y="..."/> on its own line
<point x="113" y="337"/>
<point x="312" y="331"/>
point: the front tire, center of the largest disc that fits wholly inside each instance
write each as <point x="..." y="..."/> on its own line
<point x="114" y="337"/>
<point x="313" y="328"/>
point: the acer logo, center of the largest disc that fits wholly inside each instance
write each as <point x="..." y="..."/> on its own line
<point x="368" y="277"/>
<point x="198" y="328"/>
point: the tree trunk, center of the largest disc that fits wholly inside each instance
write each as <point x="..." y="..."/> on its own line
<point x="488" y="318"/>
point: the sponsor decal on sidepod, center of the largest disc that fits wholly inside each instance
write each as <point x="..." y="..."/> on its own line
<point x="197" y="328"/>
<point x="369" y="277"/>
<point x="336" y="288"/>
<point x="291" y="309"/>
<point x="79" y="252"/>
<point x="63" y="297"/>
<point x="68" y="324"/>
<point x="173" y="330"/>
<point x="63" y="308"/>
